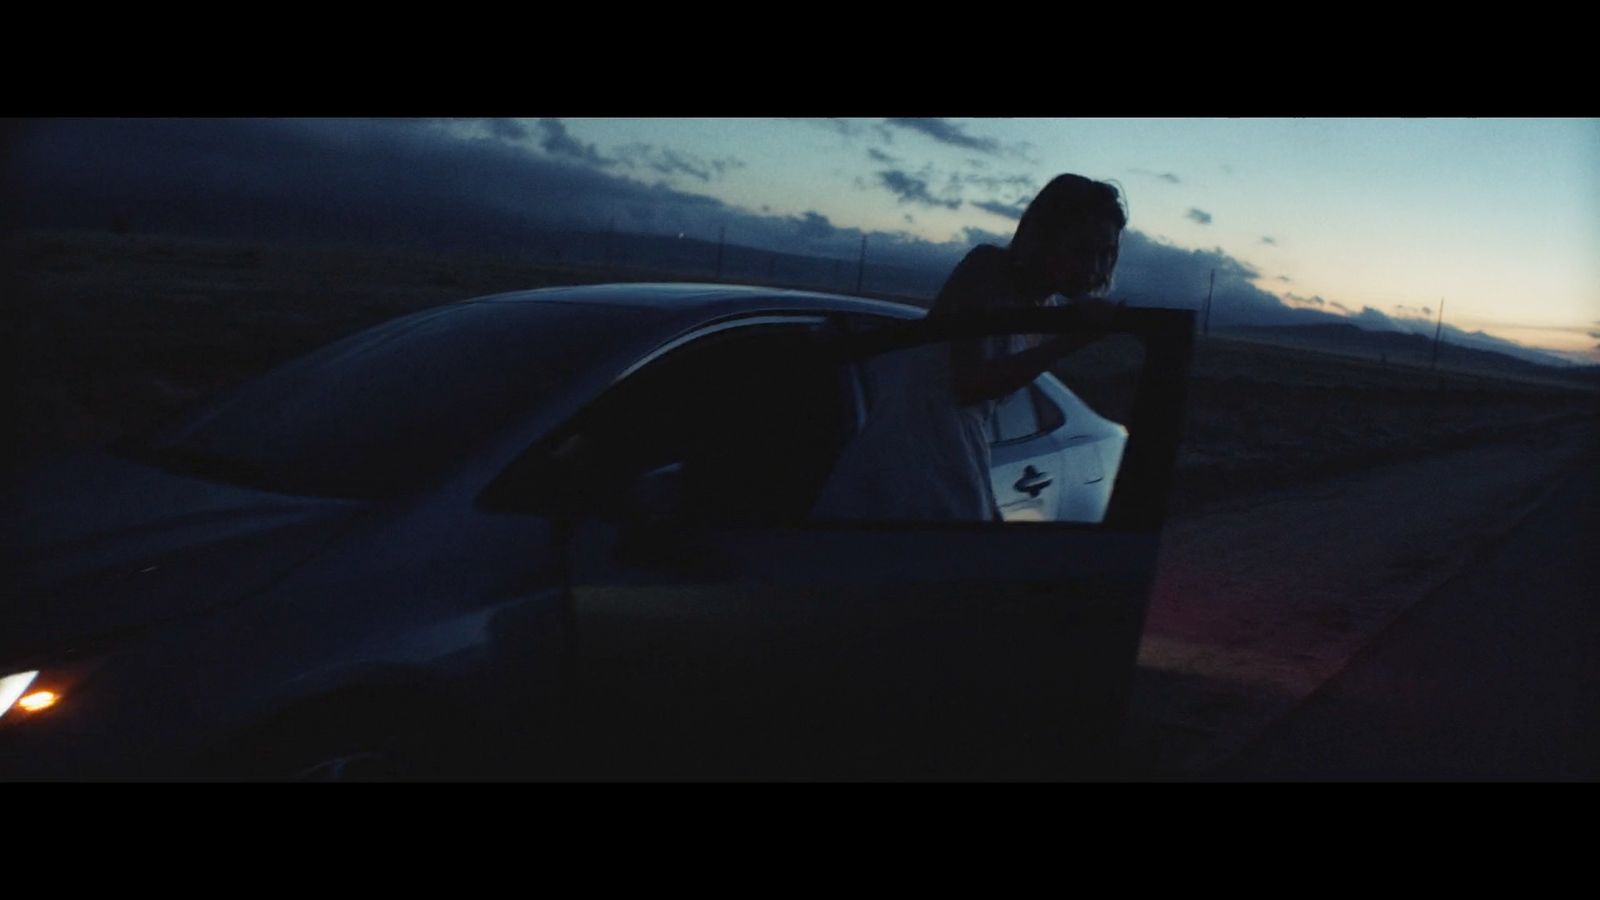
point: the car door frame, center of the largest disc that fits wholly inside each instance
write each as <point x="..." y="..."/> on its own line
<point x="1073" y="601"/>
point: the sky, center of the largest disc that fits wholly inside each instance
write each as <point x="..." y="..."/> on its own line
<point x="1379" y="220"/>
<point x="1499" y="219"/>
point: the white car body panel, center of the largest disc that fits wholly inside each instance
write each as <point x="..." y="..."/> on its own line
<point x="1080" y="458"/>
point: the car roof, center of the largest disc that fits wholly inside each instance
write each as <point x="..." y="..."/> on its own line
<point x="708" y="300"/>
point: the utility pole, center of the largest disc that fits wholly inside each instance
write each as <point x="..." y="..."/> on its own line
<point x="1437" y="331"/>
<point x="1205" y="326"/>
<point x="861" y="267"/>
<point x="722" y="232"/>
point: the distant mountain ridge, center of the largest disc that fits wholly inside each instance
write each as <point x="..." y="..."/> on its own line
<point x="1411" y="349"/>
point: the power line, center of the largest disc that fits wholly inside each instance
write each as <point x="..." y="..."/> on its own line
<point x="1437" y="331"/>
<point x="861" y="267"/>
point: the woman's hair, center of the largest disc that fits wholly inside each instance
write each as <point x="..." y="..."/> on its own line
<point x="1068" y="201"/>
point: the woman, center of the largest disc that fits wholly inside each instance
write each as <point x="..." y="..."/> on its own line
<point x="924" y="451"/>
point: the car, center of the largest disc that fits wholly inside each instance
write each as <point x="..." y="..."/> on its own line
<point x="565" y="533"/>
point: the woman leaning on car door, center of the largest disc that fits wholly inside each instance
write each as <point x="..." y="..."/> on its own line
<point x="923" y="453"/>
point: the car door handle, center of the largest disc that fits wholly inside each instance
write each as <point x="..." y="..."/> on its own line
<point x="1029" y="483"/>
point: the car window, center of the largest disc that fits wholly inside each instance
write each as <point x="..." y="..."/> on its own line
<point x="742" y="427"/>
<point x="381" y="412"/>
<point x="1014" y="418"/>
<point x="1050" y="415"/>
<point x="764" y="426"/>
<point x="1026" y="414"/>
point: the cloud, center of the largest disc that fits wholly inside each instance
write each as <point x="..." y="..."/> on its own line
<point x="448" y="189"/>
<point x="1372" y="319"/>
<point x="911" y="189"/>
<point x="1002" y="193"/>
<point x="1155" y="273"/>
<point x="374" y="181"/>
<point x="508" y="129"/>
<point x="513" y="130"/>
<point x="879" y="156"/>
<point x="974" y="236"/>
<point x="398" y="184"/>
<point x="1594" y="334"/>
<point x="852" y="130"/>
<point x="812" y="225"/>
<point x="1010" y="211"/>
<point x="838" y="126"/>
<point x="671" y="162"/>
<point x="1317" y="300"/>
<point x="1199" y="215"/>
<point x="1016" y="184"/>
<point x="557" y="142"/>
<point x="674" y="162"/>
<point x="1285" y="278"/>
<point x="1168" y="177"/>
<point x="946" y="132"/>
<point x="1269" y="240"/>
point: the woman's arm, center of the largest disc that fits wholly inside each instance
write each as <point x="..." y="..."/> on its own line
<point x="991" y="379"/>
<point x="982" y="282"/>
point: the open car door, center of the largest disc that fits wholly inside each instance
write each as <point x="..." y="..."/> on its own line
<point x="718" y="630"/>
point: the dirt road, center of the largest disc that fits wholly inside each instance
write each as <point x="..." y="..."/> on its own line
<point x="1260" y="602"/>
<point x="1493" y="676"/>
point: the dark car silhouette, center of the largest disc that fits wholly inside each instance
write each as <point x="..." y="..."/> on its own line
<point x="564" y="533"/>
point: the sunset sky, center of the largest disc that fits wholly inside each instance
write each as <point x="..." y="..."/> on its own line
<point x="1499" y="218"/>
<point x="1378" y="219"/>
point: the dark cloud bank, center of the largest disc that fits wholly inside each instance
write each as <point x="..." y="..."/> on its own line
<point x="532" y="193"/>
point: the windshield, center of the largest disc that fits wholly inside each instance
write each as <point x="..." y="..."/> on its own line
<point x="378" y="414"/>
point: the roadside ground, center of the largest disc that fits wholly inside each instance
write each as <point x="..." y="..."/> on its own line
<point x="1261" y="603"/>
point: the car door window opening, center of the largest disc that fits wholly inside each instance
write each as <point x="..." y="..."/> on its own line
<point x="743" y="423"/>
